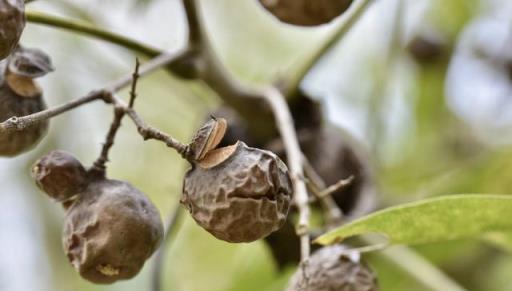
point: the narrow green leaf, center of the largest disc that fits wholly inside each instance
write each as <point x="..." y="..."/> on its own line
<point x="433" y="220"/>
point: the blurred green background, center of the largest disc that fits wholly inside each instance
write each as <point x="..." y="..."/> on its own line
<point x="435" y="127"/>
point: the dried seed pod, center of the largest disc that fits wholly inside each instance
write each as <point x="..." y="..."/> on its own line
<point x="208" y="137"/>
<point x="29" y="62"/>
<point x="110" y="231"/>
<point x="331" y="269"/>
<point x="12" y="23"/>
<point x="60" y="175"/>
<point x="238" y="128"/>
<point x="306" y="12"/>
<point x="19" y="96"/>
<point x="238" y="193"/>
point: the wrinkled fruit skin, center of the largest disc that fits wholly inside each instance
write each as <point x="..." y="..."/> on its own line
<point x="329" y="270"/>
<point x="110" y="231"/>
<point x="60" y="175"/>
<point x="12" y="23"/>
<point x="242" y="199"/>
<point x="306" y="12"/>
<point x="11" y="104"/>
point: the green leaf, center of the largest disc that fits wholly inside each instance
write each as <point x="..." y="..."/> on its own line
<point x="433" y="220"/>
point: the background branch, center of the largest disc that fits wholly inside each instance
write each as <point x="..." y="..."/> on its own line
<point x="91" y="30"/>
<point x="295" y="163"/>
<point x="349" y="19"/>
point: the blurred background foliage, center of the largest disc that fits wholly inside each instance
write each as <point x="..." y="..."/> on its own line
<point x="436" y="126"/>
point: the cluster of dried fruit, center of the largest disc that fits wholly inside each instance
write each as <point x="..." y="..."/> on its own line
<point x="110" y="228"/>
<point x="235" y="192"/>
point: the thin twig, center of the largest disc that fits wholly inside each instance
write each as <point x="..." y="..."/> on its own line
<point x="148" y="132"/>
<point x="295" y="162"/>
<point x="99" y="165"/>
<point x="336" y="187"/>
<point x="158" y="267"/>
<point x="135" y="77"/>
<point x="21" y="123"/>
<point x="91" y="30"/>
<point x="333" y="214"/>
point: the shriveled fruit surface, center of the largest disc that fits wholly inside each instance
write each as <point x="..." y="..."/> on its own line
<point x="306" y="12"/>
<point x="110" y="231"/>
<point x="238" y="193"/>
<point x="331" y="269"/>
<point x="60" y="175"/>
<point x="20" y="95"/>
<point x="12" y="23"/>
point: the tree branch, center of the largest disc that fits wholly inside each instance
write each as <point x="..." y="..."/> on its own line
<point x="195" y="28"/>
<point x="99" y="165"/>
<point x="333" y="214"/>
<point x="21" y="123"/>
<point x="295" y="162"/>
<point x="91" y="30"/>
<point x="291" y="85"/>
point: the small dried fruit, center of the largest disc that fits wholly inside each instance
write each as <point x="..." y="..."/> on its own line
<point x="20" y="95"/>
<point x="306" y="12"/>
<point x="60" y="175"/>
<point x="331" y="269"/>
<point x="208" y="137"/>
<point x="12" y="23"/>
<point x="110" y="231"/>
<point x="238" y="193"/>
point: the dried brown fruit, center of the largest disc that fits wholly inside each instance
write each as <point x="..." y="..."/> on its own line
<point x="110" y="231"/>
<point x="19" y="96"/>
<point x="12" y="23"/>
<point x="331" y="269"/>
<point x="208" y="137"/>
<point x="306" y="12"/>
<point x="60" y="175"/>
<point x="238" y="193"/>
